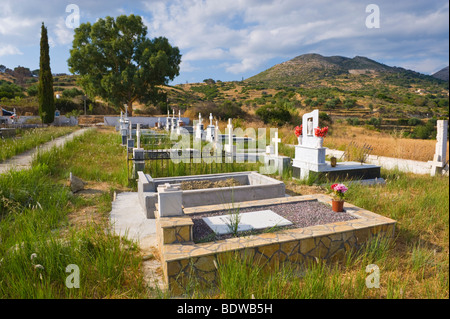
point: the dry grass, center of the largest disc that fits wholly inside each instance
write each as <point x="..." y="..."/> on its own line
<point x="383" y="144"/>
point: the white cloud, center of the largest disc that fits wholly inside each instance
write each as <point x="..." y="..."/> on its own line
<point x="244" y="35"/>
<point x="64" y="35"/>
<point x="247" y="34"/>
<point x="9" y="49"/>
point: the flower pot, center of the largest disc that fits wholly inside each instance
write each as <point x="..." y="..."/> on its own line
<point x="299" y="140"/>
<point x="337" y="206"/>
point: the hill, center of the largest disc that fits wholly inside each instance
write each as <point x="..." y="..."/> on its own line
<point x="311" y="67"/>
<point x="442" y="74"/>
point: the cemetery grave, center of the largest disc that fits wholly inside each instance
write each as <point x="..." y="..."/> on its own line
<point x="253" y="186"/>
<point x="290" y="215"/>
<point x="310" y="158"/>
<point x="201" y="218"/>
<point x="182" y="257"/>
<point x="185" y="185"/>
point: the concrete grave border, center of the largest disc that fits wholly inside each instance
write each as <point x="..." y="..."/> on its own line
<point x="259" y="187"/>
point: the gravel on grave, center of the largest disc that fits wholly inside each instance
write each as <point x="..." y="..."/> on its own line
<point x="301" y="214"/>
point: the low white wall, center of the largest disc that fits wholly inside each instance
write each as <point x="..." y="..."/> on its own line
<point x="404" y="165"/>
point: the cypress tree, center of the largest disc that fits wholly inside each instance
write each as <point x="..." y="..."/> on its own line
<point x="45" y="88"/>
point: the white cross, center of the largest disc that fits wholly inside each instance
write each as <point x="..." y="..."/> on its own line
<point x="276" y="140"/>
<point x="436" y="164"/>
<point x="230" y="136"/>
<point x="179" y="115"/>
<point x="138" y="135"/>
<point x="210" y="119"/>
<point x="199" y="118"/>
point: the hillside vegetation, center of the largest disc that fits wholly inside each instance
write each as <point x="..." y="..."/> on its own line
<point x="356" y="91"/>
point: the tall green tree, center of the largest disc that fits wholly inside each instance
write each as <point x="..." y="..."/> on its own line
<point x="117" y="62"/>
<point x="45" y="88"/>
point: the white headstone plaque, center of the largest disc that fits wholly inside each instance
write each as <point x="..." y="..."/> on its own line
<point x="247" y="221"/>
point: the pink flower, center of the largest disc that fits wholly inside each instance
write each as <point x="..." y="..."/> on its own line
<point x="339" y="190"/>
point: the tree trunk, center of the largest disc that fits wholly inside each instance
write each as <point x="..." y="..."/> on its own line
<point x="130" y="108"/>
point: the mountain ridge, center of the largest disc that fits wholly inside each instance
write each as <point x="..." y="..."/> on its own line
<point x="313" y="66"/>
<point x="442" y="74"/>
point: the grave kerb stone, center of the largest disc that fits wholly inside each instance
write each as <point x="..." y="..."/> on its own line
<point x="170" y="200"/>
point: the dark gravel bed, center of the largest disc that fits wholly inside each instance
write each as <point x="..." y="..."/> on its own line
<point x="301" y="214"/>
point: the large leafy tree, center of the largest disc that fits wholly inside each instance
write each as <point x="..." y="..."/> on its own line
<point x="117" y="62"/>
<point x="45" y="87"/>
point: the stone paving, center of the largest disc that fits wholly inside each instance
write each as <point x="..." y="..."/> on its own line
<point x="181" y="258"/>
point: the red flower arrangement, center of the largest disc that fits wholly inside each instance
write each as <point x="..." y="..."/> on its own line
<point x="321" y="132"/>
<point x="298" y="130"/>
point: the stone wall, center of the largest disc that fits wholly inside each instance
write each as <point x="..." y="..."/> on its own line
<point x="183" y="260"/>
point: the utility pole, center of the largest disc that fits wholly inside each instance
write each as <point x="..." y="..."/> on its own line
<point x="84" y="100"/>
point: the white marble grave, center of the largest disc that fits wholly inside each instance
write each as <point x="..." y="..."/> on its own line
<point x="199" y="128"/>
<point x="229" y="147"/>
<point x="247" y="221"/>
<point x="310" y="155"/>
<point x="439" y="159"/>
<point x="210" y="130"/>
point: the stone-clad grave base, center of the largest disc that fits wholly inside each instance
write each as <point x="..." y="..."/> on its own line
<point x="182" y="258"/>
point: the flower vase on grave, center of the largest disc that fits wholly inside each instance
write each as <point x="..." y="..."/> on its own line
<point x="337" y="205"/>
<point x="319" y="142"/>
<point x="299" y="140"/>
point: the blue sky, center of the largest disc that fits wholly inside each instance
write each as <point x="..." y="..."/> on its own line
<point x="234" y="39"/>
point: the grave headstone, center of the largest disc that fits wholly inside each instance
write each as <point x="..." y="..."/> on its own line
<point x="168" y="121"/>
<point x="199" y="128"/>
<point x="276" y="140"/>
<point x="273" y="161"/>
<point x="439" y="159"/>
<point x="229" y="147"/>
<point x="210" y="130"/>
<point x="310" y="155"/>
<point x="138" y="153"/>
<point x="180" y="122"/>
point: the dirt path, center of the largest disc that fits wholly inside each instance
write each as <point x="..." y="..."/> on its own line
<point x="23" y="160"/>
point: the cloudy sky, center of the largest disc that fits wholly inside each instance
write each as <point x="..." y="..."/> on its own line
<point x="234" y="39"/>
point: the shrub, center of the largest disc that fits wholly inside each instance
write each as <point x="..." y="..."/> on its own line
<point x="353" y="121"/>
<point x="276" y="114"/>
<point x="414" y="121"/>
<point x="66" y="105"/>
<point x="72" y="92"/>
<point x="32" y="90"/>
<point x="324" y="117"/>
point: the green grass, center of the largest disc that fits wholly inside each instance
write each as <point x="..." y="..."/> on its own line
<point x="35" y="206"/>
<point x="29" y="139"/>
<point x="240" y="277"/>
<point x="413" y="264"/>
<point x="166" y="168"/>
<point x="94" y="156"/>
